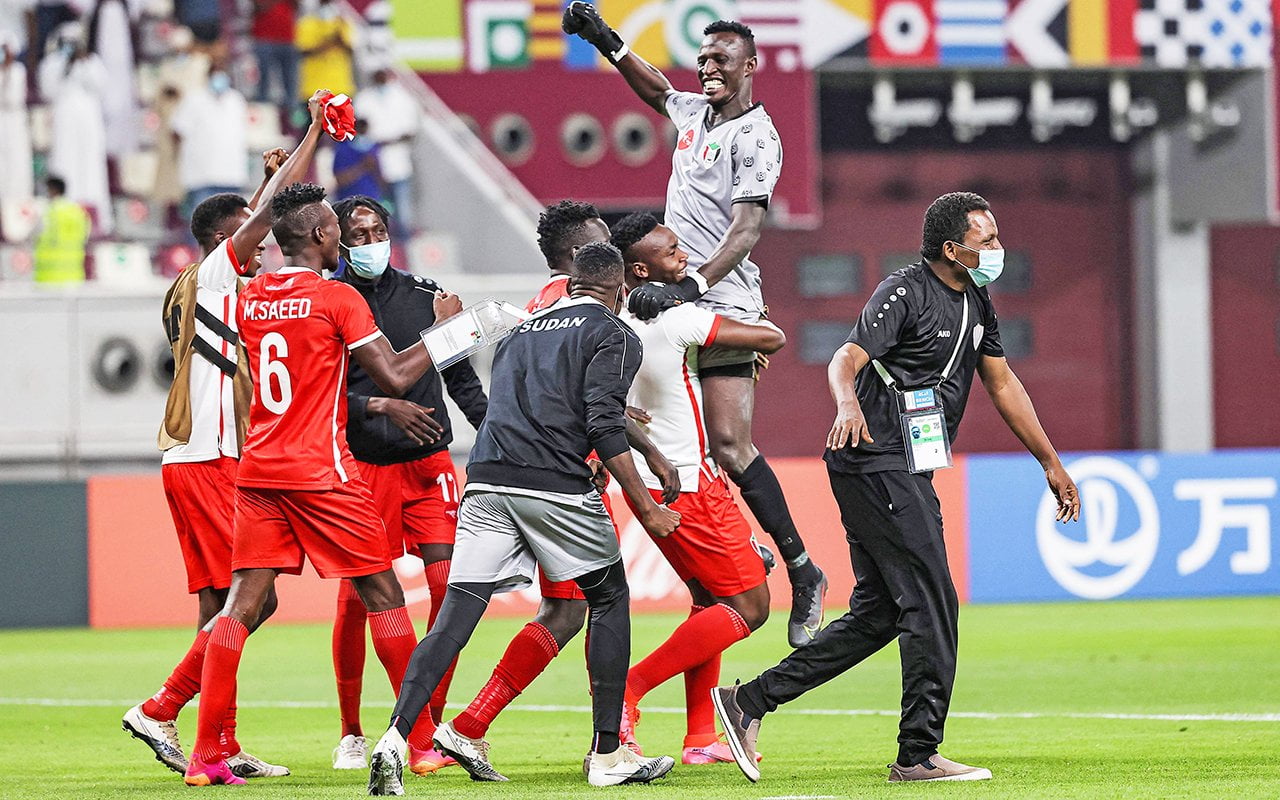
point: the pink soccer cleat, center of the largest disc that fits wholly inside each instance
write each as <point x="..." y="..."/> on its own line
<point x="425" y="762"/>
<point x="200" y="773"/>
<point x="717" y="752"/>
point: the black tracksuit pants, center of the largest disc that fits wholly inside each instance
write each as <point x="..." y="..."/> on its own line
<point x="893" y="523"/>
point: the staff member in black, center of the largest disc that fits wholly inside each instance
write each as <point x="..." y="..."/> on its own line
<point x="928" y="326"/>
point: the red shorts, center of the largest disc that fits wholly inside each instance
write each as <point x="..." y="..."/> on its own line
<point x="337" y="529"/>
<point x="568" y="590"/>
<point x="202" y="496"/>
<point x="713" y="544"/>
<point x="418" y="501"/>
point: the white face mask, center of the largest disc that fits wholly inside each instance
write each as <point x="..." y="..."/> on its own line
<point x="369" y="260"/>
<point x="990" y="265"/>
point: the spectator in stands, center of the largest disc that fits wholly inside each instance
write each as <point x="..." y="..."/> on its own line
<point x="325" y="40"/>
<point x="393" y="117"/>
<point x="111" y="37"/>
<point x="211" y="125"/>
<point x="73" y="81"/>
<point x="64" y="230"/>
<point x="166" y="192"/>
<point x="274" y="30"/>
<point x="375" y="47"/>
<point x="203" y="17"/>
<point x="15" y="130"/>
<point x="355" y="166"/>
<point x="17" y="24"/>
<point x="50" y="15"/>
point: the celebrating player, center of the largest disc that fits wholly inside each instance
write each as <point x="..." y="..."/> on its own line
<point x="723" y="170"/>
<point x="712" y="550"/>
<point x="205" y="420"/>
<point x="299" y="492"/>
<point x="402" y="445"/>
<point x="559" y="390"/>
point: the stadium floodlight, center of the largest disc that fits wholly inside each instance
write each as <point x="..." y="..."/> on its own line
<point x="891" y="117"/>
<point x="1206" y="118"/>
<point x="1049" y="117"/>
<point x="1128" y="112"/>
<point x="970" y="116"/>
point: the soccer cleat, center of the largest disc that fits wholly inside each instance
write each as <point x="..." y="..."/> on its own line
<point x="740" y="731"/>
<point x="627" y="734"/>
<point x="766" y="555"/>
<point x="386" y="764"/>
<point x="427" y="762"/>
<point x="351" y="753"/>
<point x="714" y="753"/>
<point x="160" y="735"/>
<point x="624" y="766"/>
<point x="806" y="610"/>
<point x="937" y="768"/>
<point x="471" y="754"/>
<point x="244" y="765"/>
<point x="200" y="773"/>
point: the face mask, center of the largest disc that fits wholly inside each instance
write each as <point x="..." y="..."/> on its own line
<point x="990" y="265"/>
<point x="369" y="260"/>
<point x="219" y="82"/>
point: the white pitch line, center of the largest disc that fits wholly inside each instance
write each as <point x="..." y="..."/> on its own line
<point x="65" y="702"/>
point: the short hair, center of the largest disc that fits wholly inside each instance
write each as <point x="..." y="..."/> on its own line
<point x="347" y="206"/>
<point x="596" y="263"/>
<point x="212" y="213"/>
<point x="947" y="220"/>
<point x="733" y="26"/>
<point x="55" y="184"/>
<point x="631" y="229"/>
<point x="557" y="223"/>
<point x="294" y="213"/>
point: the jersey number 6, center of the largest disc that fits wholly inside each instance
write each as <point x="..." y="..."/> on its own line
<point x="268" y="369"/>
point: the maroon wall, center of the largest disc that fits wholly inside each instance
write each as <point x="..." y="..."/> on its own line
<point x="1246" y="336"/>
<point x="1066" y="210"/>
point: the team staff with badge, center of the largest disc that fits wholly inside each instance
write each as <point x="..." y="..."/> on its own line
<point x="900" y="384"/>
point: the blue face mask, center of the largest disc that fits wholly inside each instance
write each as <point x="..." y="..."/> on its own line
<point x="219" y="82"/>
<point x="369" y="260"/>
<point x="990" y="265"/>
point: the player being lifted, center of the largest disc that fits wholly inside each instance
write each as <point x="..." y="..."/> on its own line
<point x="299" y="492"/>
<point x="723" y="170"/>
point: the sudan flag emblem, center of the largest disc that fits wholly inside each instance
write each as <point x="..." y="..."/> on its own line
<point x="710" y="153"/>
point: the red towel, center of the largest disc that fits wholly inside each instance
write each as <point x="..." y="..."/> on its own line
<point x="339" y="116"/>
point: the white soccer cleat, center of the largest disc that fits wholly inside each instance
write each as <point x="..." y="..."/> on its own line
<point x="624" y="766"/>
<point x="471" y="754"/>
<point x="386" y="765"/>
<point x="244" y="765"/>
<point x="160" y="735"/>
<point x="351" y="753"/>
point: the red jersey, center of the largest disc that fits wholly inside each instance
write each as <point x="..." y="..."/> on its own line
<point x="297" y="330"/>
<point x="556" y="290"/>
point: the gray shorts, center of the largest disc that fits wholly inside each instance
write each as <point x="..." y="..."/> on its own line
<point x="502" y="538"/>
<point x="717" y="356"/>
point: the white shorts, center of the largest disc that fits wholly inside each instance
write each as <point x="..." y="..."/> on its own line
<point x="504" y="535"/>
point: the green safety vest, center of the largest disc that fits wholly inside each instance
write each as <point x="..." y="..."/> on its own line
<point x="59" y="253"/>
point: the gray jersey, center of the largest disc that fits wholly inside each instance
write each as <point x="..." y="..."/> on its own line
<point x="736" y="161"/>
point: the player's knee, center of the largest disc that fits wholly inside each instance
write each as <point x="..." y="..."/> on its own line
<point x="380" y="592"/>
<point x="563" y="618"/>
<point x="732" y="452"/>
<point x="605" y="587"/>
<point x="268" y="608"/>
<point x="752" y="607"/>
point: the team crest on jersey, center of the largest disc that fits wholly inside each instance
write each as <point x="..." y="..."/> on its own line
<point x="709" y="154"/>
<point x="686" y="141"/>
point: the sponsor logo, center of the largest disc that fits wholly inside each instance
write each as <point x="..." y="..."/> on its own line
<point x="944" y="334"/>
<point x="686" y="141"/>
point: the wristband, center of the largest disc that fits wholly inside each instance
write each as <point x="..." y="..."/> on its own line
<point x="618" y="54"/>
<point x="697" y="277"/>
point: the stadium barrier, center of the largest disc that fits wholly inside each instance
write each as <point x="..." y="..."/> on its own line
<point x="104" y="551"/>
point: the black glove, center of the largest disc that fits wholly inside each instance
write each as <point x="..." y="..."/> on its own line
<point x="582" y="19"/>
<point x="651" y="299"/>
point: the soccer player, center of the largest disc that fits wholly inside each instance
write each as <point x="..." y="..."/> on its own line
<point x="562" y="229"/>
<point x="402" y="445"/>
<point x="204" y="425"/>
<point x="925" y="332"/>
<point x="558" y="391"/>
<point x="712" y="550"/>
<point x="723" y="170"/>
<point x="299" y="491"/>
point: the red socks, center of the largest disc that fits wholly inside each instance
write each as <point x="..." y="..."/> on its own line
<point x="700" y="712"/>
<point x="182" y="684"/>
<point x="699" y="638"/>
<point x="526" y="657"/>
<point x="348" y="655"/>
<point x="229" y="744"/>
<point x="218" y="682"/>
<point x="437" y="584"/>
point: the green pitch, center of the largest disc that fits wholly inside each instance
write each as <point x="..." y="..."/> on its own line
<point x="1133" y="700"/>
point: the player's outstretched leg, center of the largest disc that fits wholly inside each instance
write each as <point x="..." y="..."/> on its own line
<point x="464" y="604"/>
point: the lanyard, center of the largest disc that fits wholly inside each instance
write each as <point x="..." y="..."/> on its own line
<point x="962" y="334"/>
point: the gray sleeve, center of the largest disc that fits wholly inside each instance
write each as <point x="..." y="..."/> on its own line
<point x="757" y="162"/>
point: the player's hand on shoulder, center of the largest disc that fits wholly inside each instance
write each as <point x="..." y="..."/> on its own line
<point x="446" y="305"/>
<point x="650" y="299"/>
<point x="415" y="420"/>
<point x="660" y="521"/>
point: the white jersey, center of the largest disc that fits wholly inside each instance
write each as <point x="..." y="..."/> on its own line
<point x="667" y="387"/>
<point x="213" y="406"/>
<point x="736" y="161"/>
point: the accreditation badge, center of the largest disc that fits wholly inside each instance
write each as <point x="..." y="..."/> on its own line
<point x="924" y="430"/>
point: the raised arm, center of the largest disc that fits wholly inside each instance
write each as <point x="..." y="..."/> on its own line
<point x="246" y="239"/>
<point x="1014" y="404"/>
<point x="649" y="84"/>
<point x="396" y="372"/>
